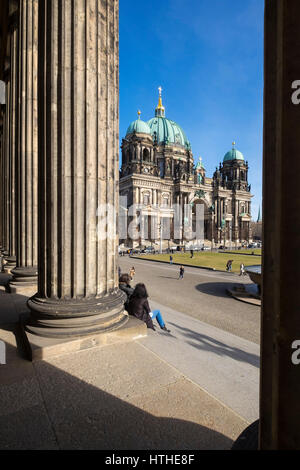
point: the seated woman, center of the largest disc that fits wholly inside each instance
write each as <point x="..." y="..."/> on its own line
<point x="139" y="307"/>
<point x="124" y="285"/>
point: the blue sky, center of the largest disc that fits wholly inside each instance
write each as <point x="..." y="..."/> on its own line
<point x="208" y="57"/>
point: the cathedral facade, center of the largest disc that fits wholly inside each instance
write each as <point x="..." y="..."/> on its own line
<point x="158" y="175"/>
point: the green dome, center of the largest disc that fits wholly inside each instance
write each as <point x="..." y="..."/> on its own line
<point x="168" y="132"/>
<point x="234" y="154"/>
<point x="138" y="126"/>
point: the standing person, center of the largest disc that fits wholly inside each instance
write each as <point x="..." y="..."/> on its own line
<point x="242" y="269"/>
<point x="119" y="271"/>
<point x="171" y="259"/>
<point x="181" y="272"/>
<point x="229" y="265"/>
<point x="132" y="273"/>
<point x="192" y="253"/>
<point x="140" y="308"/>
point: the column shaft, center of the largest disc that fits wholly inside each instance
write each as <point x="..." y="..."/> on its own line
<point x="12" y="148"/>
<point x="280" y="369"/>
<point x="2" y="180"/>
<point x="78" y="169"/>
<point x="25" y="274"/>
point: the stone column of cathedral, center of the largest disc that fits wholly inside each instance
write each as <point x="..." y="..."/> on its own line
<point x="78" y="166"/>
<point x="219" y="220"/>
<point x="25" y="274"/>
<point x="181" y="217"/>
<point x="236" y="223"/>
<point x="12" y="144"/>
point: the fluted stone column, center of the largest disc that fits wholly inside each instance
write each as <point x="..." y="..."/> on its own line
<point x="3" y="183"/>
<point x="280" y="367"/>
<point x="2" y="141"/>
<point x="12" y="148"/>
<point x="78" y="169"/>
<point x="25" y="274"/>
<point x="6" y="175"/>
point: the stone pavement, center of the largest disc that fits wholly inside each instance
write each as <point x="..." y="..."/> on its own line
<point x="121" y="396"/>
<point x="202" y="295"/>
<point x="224" y="365"/>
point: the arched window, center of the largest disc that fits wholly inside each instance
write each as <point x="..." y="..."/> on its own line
<point x="146" y="155"/>
<point x="126" y="157"/>
<point x="146" y="199"/>
<point x="165" y="201"/>
<point x="161" y="169"/>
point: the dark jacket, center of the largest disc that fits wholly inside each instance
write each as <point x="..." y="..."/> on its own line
<point x="140" y="309"/>
<point x="128" y="291"/>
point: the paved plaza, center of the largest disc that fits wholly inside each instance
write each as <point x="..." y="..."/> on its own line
<point x="201" y="294"/>
<point x="196" y="388"/>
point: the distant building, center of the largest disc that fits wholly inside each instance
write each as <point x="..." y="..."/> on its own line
<point x="158" y="175"/>
<point x="256" y="227"/>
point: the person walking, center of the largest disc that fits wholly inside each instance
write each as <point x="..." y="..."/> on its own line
<point x="140" y="308"/>
<point x="171" y="259"/>
<point x="132" y="273"/>
<point x="192" y="253"/>
<point x="229" y="265"/>
<point x="181" y="272"/>
<point x="242" y="269"/>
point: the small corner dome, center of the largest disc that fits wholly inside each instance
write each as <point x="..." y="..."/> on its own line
<point x="233" y="154"/>
<point x="138" y="126"/>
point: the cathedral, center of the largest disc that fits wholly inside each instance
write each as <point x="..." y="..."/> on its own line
<point x="158" y="175"/>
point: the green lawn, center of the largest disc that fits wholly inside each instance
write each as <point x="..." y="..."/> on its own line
<point x="257" y="251"/>
<point x="208" y="259"/>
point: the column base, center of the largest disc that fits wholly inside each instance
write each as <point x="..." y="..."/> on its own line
<point x="39" y="348"/>
<point x="68" y="318"/>
<point x="10" y="264"/>
<point x="25" y="281"/>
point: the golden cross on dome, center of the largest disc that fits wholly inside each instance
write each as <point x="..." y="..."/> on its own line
<point x="160" y="110"/>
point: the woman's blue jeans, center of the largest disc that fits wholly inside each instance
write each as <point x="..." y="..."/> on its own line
<point x="156" y="314"/>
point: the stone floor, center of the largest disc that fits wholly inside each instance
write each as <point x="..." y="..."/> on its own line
<point x="201" y="294"/>
<point x="114" y="397"/>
